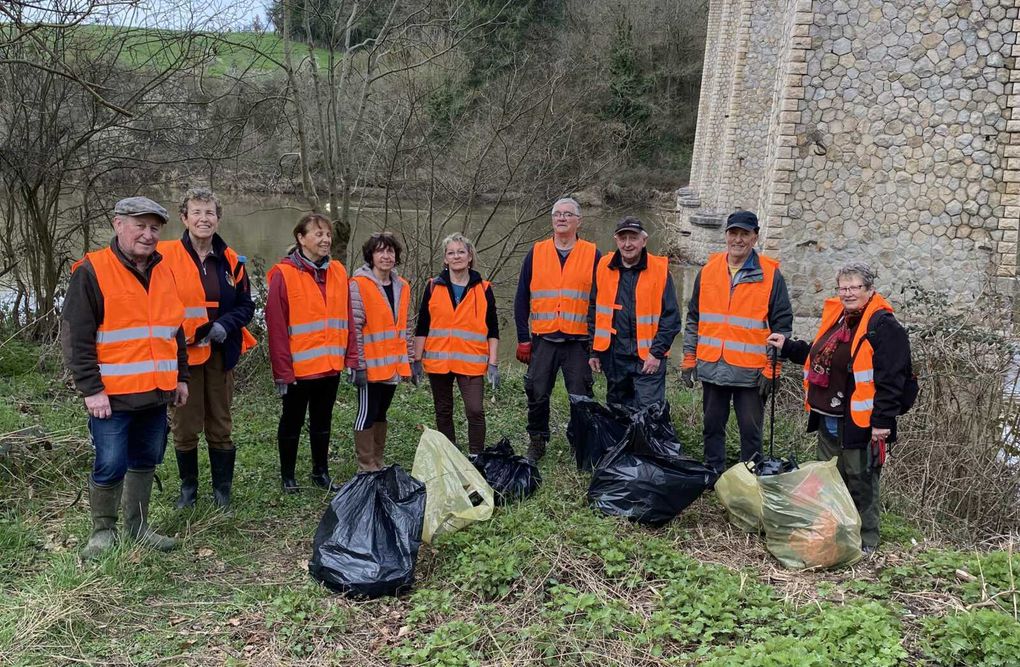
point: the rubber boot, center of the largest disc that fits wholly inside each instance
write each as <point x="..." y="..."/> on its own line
<point x="364" y="449"/>
<point x="135" y="507"/>
<point x="536" y="450"/>
<point x="379" y="436"/>
<point x="288" y="459"/>
<point x="320" y="461"/>
<point x="221" y="465"/>
<point x="187" y="466"/>
<point x="104" y="502"/>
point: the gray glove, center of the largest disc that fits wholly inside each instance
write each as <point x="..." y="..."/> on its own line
<point x="493" y="375"/>
<point x="417" y="373"/>
<point x="359" y="378"/>
<point x="217" y="333"/>
<point x="688" y="377"/>
<point x="764" y="387"/>
<point x="281" y="389"/>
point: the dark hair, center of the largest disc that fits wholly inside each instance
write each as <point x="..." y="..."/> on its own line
<point x="306" y="221"/>
<point x="378" y="241"/>
<point x="200" y="194"/>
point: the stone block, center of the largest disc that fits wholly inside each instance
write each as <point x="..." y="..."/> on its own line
<point x="789" y="117"/>
<point x="797" y="68"/>
<point x="1006" y="248"/>
<point x="1011" y="176"/>
<point x="790" y="105"/>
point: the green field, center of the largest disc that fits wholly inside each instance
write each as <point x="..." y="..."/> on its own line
<point x="547" y="582"/>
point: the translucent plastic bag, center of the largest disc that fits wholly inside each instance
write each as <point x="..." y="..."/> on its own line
<point x="738" y="491"/>
<point x="456" y="493"/>
<point x="810" y="519"/>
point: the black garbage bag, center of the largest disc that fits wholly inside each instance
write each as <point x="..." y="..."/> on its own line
<point x="594" y="429"/>
<point x="645" y="476"/>
<point x="368" y="539"/>
<point x="766" y="466"/>
<point x="512" y="477"/>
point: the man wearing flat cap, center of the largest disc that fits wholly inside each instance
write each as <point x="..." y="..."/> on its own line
<point x="124" y="345"/>
<point x="634" y="320"/>
<point x="739" y="298"/>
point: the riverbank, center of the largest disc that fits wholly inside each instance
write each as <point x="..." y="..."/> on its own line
<point x="545" y="582"/>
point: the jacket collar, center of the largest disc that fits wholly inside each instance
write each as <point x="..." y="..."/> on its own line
<point x="444" y="278"/>
<point x="154" y="259"/>
<point x="219" y="246"/>
<point x="616" y="262"/>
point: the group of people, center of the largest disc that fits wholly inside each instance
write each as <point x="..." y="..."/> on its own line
<point x="151" y="324"/>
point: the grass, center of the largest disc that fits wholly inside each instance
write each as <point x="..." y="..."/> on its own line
<point x="546" y="582"/>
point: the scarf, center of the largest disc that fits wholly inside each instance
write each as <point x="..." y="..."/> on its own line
<point x="821" y="365"/>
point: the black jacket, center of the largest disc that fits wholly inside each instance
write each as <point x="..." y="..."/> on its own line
<point x="892" y="366"/>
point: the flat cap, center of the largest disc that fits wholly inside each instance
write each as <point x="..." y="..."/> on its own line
<point x="742" y="219"/>
<point x="135" y="206"/>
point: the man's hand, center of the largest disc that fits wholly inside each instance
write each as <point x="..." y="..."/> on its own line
<point x="688" y="377"/>
<point x="596" y="364"/>
<point x="181" y="394"/>
<point x="524" y="353"/>
<point x="880" y="433"/>
<point x="217" y="333"/>
<point x="764" y="387"/>
<point x="98" y="405"/>
<point x="651" y="365"/>
<point x="776" y="340"/>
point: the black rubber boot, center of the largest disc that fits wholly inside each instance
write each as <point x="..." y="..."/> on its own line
<point x="536" y="450"/>
<point x="187" y="466"/>
<point x="288" y="459"/>
<point x="320" y="461"/>
<point x="221" y="465"/>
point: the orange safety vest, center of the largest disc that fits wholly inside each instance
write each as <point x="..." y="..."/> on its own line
<point x="457" y="341"/>
<point x="384" y="340"/>
<point x="647" y="302"/>
<point x="733" y="321"/>
<point x="317" y="327"/>
<point x="863" y="362"/>
<point x="136" y="343"/>
<point x="192" y="293"/>
<point x="560" y="294"/>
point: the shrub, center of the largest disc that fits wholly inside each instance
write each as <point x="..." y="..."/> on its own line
<point x="982" y="638"/>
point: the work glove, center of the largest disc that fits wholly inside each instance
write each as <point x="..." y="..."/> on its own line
<point x="217" y="333"/>
<point x="359" y="378"/>
<point x="493" y="375"/>
<point x="764" y="387"/>
<point x="281" y="389"/>
<point x="524" y="353"/>
<point x="877" y="452"/>
<point x="688" y="377"/>
<point x="417" y="373"/>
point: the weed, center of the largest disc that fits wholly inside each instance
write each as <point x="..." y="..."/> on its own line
<point x="450" y="645"/>
<point x="983" y="638"/>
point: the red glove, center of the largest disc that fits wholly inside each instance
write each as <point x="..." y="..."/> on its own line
<point x="524" y="353"/>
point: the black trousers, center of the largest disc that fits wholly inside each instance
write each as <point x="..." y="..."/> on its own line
<point x="627" y="385"/>
<point x="373" y="403"/>
<point x="546" y="360"/>
<point x="317" y="397"/>
<point x="750" y="411"/>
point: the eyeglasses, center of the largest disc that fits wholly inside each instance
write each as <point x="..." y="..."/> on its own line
<point x="565" y="214"/>
<point x="849" y="289"/>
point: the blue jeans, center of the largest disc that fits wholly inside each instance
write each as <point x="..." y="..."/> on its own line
<point x="127" y="439"/>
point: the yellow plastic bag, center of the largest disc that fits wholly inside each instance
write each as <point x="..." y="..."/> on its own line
<point x="810" y="519"/>
<point x="456" y="494"/>
<point x="738" y="491"/>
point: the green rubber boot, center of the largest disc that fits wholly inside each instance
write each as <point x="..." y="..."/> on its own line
<point x="135" y="506"/>
<point x="104" y="502"/>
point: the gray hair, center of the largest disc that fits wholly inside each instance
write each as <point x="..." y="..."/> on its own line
<point x="200" y="194"/>
<point x="860" y="269"/>
<point x="457" y="237"/>
<point x="571" y="201"/>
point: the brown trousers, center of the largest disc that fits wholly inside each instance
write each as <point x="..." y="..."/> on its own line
<point x="210" y="392"/>
<point x="472" y="390"/>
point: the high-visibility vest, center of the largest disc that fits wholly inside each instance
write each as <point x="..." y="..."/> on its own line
<point x="651" y="285"/>
<point x="384" y="339"/>
<point x="733" y="322"/>
<point x="136" y="343"/>
<point x="560" y="294"/>
<point x="192" y="293"/>
<point x="317" y="328"/>
<point x="457" y="341"/>
<point x="862" y="401"/>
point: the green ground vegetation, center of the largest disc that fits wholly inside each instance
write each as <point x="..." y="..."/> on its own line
<point x="546" y="582"/>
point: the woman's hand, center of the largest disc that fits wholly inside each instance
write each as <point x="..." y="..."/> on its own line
<point x="776" y="340"/>
<point x="880" y="433"/>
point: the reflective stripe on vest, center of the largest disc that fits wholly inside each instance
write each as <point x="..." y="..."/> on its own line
<point x="651" y="285"/>
<point x="862" y="400"/>
<point x="457" y="341"/>
<point x="560" y="293"/>
<point x="192" y="293"/>
<point x="733" y="320"/>
<point x="384" y="337"/>
<point x="317" y="327"/>
<point x="136" y="343"/>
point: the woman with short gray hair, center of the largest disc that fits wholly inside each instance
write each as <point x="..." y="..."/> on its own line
<point x="857" y="374"/>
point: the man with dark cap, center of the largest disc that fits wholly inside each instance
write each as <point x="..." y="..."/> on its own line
<point x="634" y="319"/>
<point x="739" y="298"/>
<point x="124" y="344"/>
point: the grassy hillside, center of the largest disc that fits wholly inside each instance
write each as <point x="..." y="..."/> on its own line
<point x="547" y="582"/>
